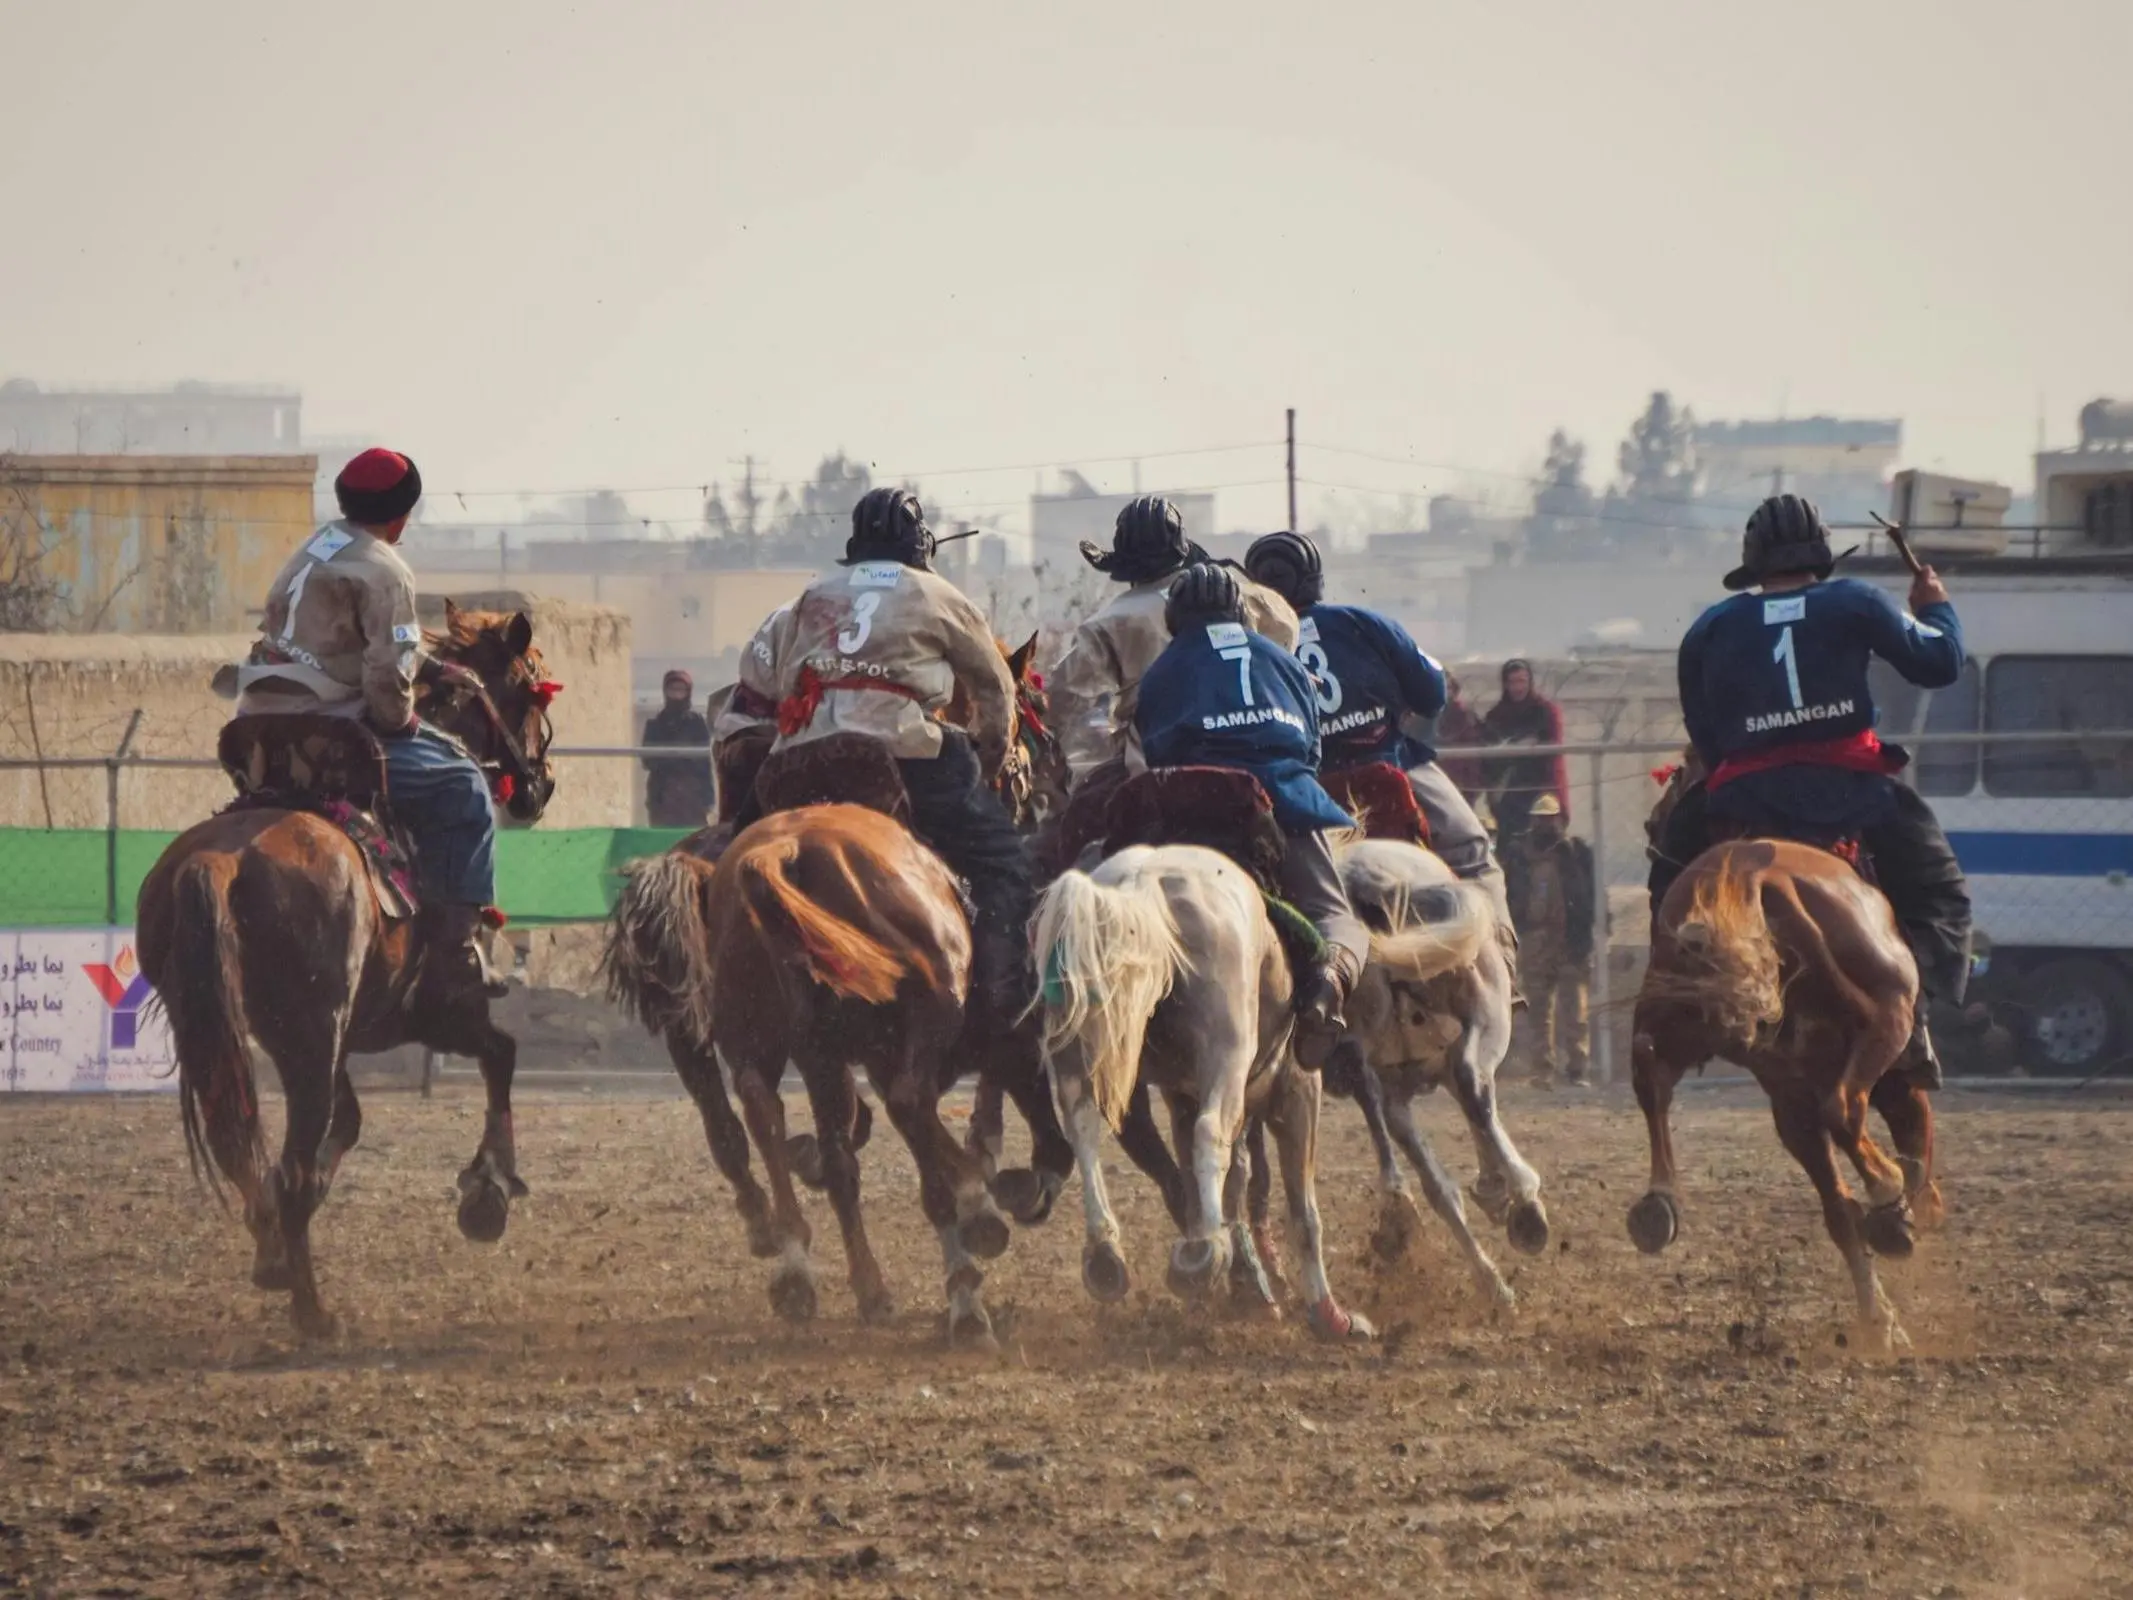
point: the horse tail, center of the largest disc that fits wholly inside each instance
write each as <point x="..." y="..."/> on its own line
<point x="1108" y="959"/>
<point x="657" y="962"/>
<point x="204" y="1000"/>
<point x="1731" y="969"/>
<point x="846" y="960"/>
<point x="1439" y="929"/>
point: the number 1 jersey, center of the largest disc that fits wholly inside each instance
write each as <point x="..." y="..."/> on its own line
<point x="1760" y="671"/>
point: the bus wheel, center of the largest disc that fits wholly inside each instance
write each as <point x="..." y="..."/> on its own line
<point x="2079" y="1013"/>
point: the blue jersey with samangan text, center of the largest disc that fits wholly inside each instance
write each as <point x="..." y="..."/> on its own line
<point x="1761" y="671"/>
<point x="1369" y="672"/>
<point x="1222" y="696"/>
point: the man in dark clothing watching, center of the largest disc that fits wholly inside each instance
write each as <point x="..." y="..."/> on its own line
<point x="677" y="789"/>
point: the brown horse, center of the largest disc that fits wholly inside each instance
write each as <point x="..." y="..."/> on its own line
<point x="1781" y="957"/>
<point x="266" y="924"/>
<point x="826" y="936"/>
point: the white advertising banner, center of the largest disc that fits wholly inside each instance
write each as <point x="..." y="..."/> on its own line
<point x="73" y="1014"/>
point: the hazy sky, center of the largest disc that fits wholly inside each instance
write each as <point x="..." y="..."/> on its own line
<point x="545" y="245"/>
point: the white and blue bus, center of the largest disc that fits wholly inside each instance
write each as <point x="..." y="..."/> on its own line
<point x="2044" y="829"/>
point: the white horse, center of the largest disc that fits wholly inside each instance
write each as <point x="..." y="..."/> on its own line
<point x="1436" y="1010"/>
<point x="1163" y="965"/>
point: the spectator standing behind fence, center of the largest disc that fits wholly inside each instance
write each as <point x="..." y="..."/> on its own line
<point x="1522" y="716"/>
<point x="677" y="789"/>
<point x="1459" y="729"/>
<point x="1553" y="903"/>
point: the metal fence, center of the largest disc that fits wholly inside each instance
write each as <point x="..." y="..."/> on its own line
<point x="2043" y="822"/>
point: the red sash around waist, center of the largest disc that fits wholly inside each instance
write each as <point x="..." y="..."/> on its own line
<point x="797" y="710"/>
<point x="1858" y="752"/>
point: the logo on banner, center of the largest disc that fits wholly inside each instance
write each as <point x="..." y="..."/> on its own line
<point x="125" y="989"/>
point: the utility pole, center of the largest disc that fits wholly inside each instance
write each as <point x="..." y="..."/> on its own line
<point x="1292" y="470"/>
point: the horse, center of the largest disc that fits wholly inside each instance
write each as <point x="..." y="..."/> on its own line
<point x="1163" y="969"/>
<point x="267" y="924"/>
<point x="1432" y="1007"/>
<point x="1781" y="957"/>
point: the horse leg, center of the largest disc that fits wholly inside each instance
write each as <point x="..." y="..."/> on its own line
<point x="1909" y="1115"/>
<point x="1293" y="1112"/>
<point x="1258" y="1199"/>
<point x="987" y="1138"/>
<point x="1475" y="1060"/>
<point x="1801" y="1125"/>
<point x="1103" y="1266"/>
<point x="491" y="1181"/>
<point x="270" y="1255"/>
<point x="1888" y="1227"/>
<point x="299" y="1181"/>
<point x="1143" y="1143"/>
<point x="1202" y="1256"/>
<point x="345" y="1126"/>
<point x="1442" y="1193"/>
<point x="803" y="1151"/>
<point x="1349" y="1072"/>
<point x="1249" y="1282"/>
<point x="700" y="1075"/>
<point x="1028" y="1193"/>
<point x="835" y="1099"/>
<point x="1655" y="1220"/>
<point x="792" y="1286"/>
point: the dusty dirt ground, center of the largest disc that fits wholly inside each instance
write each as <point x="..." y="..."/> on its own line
<point x="604" y="1404"/>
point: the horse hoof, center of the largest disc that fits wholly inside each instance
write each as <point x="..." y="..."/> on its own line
<point x="1654" y="1223"/>
<point x="1493" y="1200"/>
<point x="316" y="1324"/>
<point x="972" y="1330"/>
<point x="804" y="1155"/>
<point x="1527" y="1226"/>
<point x="876" y="1305"/>
<point x="1328" y="1321"/>
<point x="1890" y="1231"/>
<point x="1194" y="1265"/>
<point x="762" y="1238"/>
<point x="519" y="1191"/>
<point x="483" y="1211"/>
<point x="792" y="1296"/>
<point x="273" y="1275"/>
<point x="1103" y="1273"/>
<point x="985" y="1235"/>
<point x="1024" y="1195"/>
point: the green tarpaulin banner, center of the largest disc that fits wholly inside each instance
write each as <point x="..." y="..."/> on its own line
<point x="65" y="877"/>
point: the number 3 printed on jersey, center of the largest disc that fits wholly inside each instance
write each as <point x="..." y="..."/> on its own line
<point x="1324" y="685"/>
<point x="862" y="628"/>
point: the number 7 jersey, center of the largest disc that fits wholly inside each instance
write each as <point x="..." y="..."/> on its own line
<point x="1760" y="671"/>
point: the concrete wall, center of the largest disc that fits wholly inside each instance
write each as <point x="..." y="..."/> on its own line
<point x="73" y="694"/>
<point x="165" y="544"/>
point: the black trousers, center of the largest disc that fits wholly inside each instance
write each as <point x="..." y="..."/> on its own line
<point x="1913" y="862"/>
<point x="963" y="823"/>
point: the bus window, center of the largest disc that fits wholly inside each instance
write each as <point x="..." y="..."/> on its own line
<point x="1907" y="710"/>
<point x="2041" y="694"/>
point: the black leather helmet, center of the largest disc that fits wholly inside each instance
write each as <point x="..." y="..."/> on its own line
<point x="1148" y="542"/>
<point x="1203" y="593"/>
<point x="1784" y="534"/>
<point x="890" y="525"/>
<point x="1289" y="564"/>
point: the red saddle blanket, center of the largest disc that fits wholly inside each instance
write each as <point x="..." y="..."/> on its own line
<point x="1378" y="795"/>
<point x="838" y="769"/>
<point x="333" y="768"/>
<point x="1218" y="808"/>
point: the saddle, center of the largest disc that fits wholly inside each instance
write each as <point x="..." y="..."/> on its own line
<point x="1852" y="852"/>
<point x="1218" y="808"/>
<point x="736" y="762"/>
<point x="333" y="768"/>
<point x="838" y="769"/>
<point x="1378" y="795"/>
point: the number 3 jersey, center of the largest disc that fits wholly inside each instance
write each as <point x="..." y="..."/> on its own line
<point x="339" y="633"/>
<point x="877" y="647"/>
<point x="1369" y="672"/>
<point x="1763" y="671"/>
<point x="1222" y="696"/>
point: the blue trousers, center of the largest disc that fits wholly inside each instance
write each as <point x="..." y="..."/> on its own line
<point x="440" y="795"/>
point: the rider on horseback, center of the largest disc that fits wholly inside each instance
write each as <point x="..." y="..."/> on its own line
<point x="875" y="649"/>
<point x="1369" y="674"/>
<point x="1098" y="679"/>
<point x="1774" y="693"/>
<point x="339" y="638"/>
<point x="1221" y="695"/>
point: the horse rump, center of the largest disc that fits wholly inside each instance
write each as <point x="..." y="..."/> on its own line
<point x="1720" y="958"/>
<point x="842" y="957"/>
<point x="1420" y="927"/>
<point x="202" y="995"/>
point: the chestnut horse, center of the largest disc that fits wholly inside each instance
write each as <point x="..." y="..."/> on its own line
<point x="265" y="924"/>
<point x="1781" y="957"/>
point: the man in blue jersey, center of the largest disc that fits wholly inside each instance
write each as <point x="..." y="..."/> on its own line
<point x="1368" y="674"/>
<point x="1222" y="696"/>
<point x="1774" y="694"/>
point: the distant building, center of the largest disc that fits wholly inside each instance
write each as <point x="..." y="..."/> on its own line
<point x="1841" y="463"/>
<point x="188" y="419"/>
<point x="2085" y="495"/>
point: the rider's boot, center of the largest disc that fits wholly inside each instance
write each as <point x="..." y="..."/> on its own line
<point x="1920" y="1062"/>
<point x="455" y="962"/>
<point x="1321" y="1006"/>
